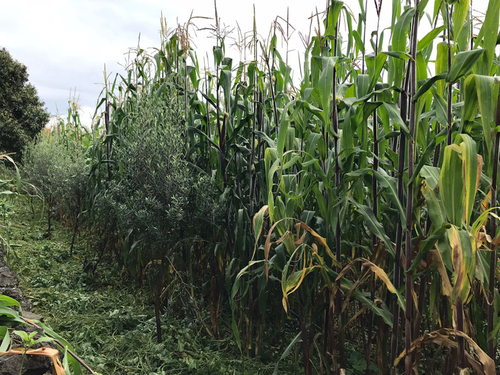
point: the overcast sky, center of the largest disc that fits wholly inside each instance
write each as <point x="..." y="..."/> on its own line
<point x="65" y="43"/>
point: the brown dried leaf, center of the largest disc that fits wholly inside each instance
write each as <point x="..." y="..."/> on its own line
<point x="379" y="272"/>
<point x="484" y="365"/>
<point x="445" y="280"/>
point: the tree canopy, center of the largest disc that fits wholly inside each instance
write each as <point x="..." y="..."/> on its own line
<point x="22" y="113"/>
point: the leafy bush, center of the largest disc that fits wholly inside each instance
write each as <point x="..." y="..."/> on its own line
<point x="151" y="187"/>
<point x="22" y="115"/>
<point x="149" y="205"/>
<point x="59" y="169"/>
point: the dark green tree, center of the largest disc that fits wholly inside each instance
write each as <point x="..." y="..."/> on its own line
<point x="22" y="113"/>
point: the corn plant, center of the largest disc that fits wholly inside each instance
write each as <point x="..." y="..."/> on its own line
<point x="353" y="211"/>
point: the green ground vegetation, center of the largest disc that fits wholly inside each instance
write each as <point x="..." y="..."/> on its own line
<point x="109" y="320"/>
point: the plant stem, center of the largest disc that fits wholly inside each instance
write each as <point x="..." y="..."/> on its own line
<point x="364" y="41"/>
<point x="493" y="231"/>
<point x="254" y="117"/>
<point x="78" y="359"/>
<point x="460" y="340"/>
<point x="399" y="230"/>
<point x="108" y="144"/>
<point x="22" y="362"/>
<point x="450" y="86"/>
<point x="409" y="200"/>
<point x="338" y="232"/>
<point x="374" y="193"/>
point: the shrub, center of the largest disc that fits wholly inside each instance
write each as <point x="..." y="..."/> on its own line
<point x="22" y="115"/>
<point x="150" y="188"/>
<point x="59" y="169"/>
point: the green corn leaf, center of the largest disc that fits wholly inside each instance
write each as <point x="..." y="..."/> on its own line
<point x="428" y="244"/>
<point x="321" y="201"/>
<point x="5" y="337"/>
<point x="6" y="301"/>
<point x="287" y="352"/>
<point x="421" y="6"/>
<point x="451" y="185"/>
<point x="389" y="184"/>
<point x="471" y="104"/>
<point x="282" y="133"/>
<point x="325" y="85"/>
<point x="487" y="38"/>
<point x="240" y="229"/>
<point x="399" y="39"/>
<point x="470" y="170"/>
<point x="462" y="63"/>
<point x="379" y="65"/>
<point x="429" y="38"/>
<point x="435" y="207"/>
<point x="429" y="151"/>
<point x="314" y="110"/>
<point x="359" y="41"/>
<point x="441" y="65"/>
<point x="11" y="315"/>
<point x="395" y="116"/>
<point x="333" y="16"/>
<point x="348" y="286"/>
<point x="460" y="10"/>
<point x="431" y="175"/>
<point x="428" y="84"/>
<point x="441" y="108"/>
<point x="373" y="224"/>
<point x="485" y="97"/>
<point x="362" y="85"/>
<point x="397" y="54"/>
